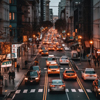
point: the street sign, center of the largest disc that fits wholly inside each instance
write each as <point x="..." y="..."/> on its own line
<point x="6" y="63"/>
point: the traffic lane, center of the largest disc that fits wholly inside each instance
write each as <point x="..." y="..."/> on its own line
<point x="30" y="91"/>
<point x="87" y="84"/>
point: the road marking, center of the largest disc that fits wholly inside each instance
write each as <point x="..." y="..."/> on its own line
<point x="66" y="90"/>
<point x="61" y="68"/>
<point x="40" y="90"/>
<point x="45" y="68"/>
<point x="25" y="90"/>
<point x="88" y="90"/>
<point x="73" y="90"/>
<point x="32" y="91"/>
<point x="80" y="90"/>
<point x="17" y="91"/>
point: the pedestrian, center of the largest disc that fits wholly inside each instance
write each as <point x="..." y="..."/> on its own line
<point x="9" y="76"/>
<point x="98" y="62"/>
<point x="13" y="76"/>
<point x="18" y="66"/>
<point x="36" y="61"/>
<point x="25" y="63"/>
<point x="95" y="62"/>
<point x="89" y="60"/>
<point x="1" y="79"/>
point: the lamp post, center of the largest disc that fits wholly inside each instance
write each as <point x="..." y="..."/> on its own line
<point x="91" y="43"/>
<point x="79" y="40"/>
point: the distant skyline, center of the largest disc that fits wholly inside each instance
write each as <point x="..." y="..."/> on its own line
<point x="55" y="4"/>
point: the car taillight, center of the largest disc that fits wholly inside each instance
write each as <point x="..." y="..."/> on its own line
<point x="60" y="60"/>
<point x="86" y="75"/>
<point x="95" y="75"/>
<point x="75" y="74"/>
<point x="67" y="60"/>
<point x="52" y="85"/>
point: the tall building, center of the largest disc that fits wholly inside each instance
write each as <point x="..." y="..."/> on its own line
<point x="47" y="10"/>
<point x="13" y="19"/>
<point x="4" y="20"/>
<point x="96" y="26"/>
<point x="51" y="15"/>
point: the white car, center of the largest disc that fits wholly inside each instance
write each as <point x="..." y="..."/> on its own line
<point x="89" y="74"/>
<point x="64" y="60"/>
<point x="74" y="54"/>
<point x="66" y="48"/>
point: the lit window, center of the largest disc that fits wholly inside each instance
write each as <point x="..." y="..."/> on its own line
<point x="9" y="1"/>
<point x="13" y="16"/>
<point x="9" y="16"/>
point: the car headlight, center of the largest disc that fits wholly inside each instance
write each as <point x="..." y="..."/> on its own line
<point x="48" y="70"/>
<point x="58" y="70"/>
<point x="36" y="78"/>
<point x="26" y="78"/>
<point x="98" y="89"/>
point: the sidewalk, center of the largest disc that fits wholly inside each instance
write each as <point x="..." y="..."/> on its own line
<point x="8" y="87"/>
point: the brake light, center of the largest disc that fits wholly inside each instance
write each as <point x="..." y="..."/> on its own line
<point x="86" y="75"/>
<point x="95" y="75"/>
<point x="75" y="74"/>
<point x="60" y="60"/>
<point x="67" y="60"/>
<point x="52" y="85"/>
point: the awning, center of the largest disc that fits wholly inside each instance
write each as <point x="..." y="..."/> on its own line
<point x="6" y="63"/>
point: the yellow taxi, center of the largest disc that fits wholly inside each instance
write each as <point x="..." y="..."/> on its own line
<point x="53" y="68"/>
<point x="59" y="48"/>
<point x="44" y="52"/>
<point x="69" y="74"/>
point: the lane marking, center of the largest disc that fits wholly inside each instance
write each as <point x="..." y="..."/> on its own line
<point x="25" y="90"/>
<point x="61" y="68"/>
<point x="73" y="90"/>
<point x="88" y="90"/>
<point x="32" y="91"/>
<point x="17" y="91"/>
<point x="66" y="90"/>
<point x="45" y="68"/>
<point x="40" y="90"/>
<point x="80" y="90"/>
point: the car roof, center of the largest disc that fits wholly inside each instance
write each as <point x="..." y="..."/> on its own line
<point x="64" y="57"/>
<point x="89" y="69"/>
<point x="50" y="55"/>
<point x="69" y="69"/>
<point x="53" y="62"/>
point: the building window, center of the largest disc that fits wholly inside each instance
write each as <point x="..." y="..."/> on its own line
<point x="9" y="16"/>
<point x="13" y="16"/>
<point x="9" y="1"/>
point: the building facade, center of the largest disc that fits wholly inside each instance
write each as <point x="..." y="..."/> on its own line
<point x="96" y="26"/>
<point x="4" y="20"/>
<point x="51" y="15"/>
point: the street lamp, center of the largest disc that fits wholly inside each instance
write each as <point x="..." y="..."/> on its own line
<point x="91" y="43"/>
<point x="79" y="40"/>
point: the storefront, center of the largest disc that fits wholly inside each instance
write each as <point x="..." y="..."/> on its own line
<point x="5" y="66"/>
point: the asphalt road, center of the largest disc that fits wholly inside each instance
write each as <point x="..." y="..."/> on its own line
<point x="75" y="89"/>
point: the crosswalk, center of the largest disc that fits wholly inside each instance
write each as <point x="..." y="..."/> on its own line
<point x="41" y="91"/>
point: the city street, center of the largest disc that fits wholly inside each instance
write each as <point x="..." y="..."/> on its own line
<point x="73" y="87"/>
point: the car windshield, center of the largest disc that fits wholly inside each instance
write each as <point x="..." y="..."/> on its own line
<point x="90" y="72"/>
<point x="32" y="73"/>
<point x="57" y="82"/>
<point x="99" y="83"/>
<point x="49" y="59"/>
<point x="64" y="58"/>
<point x="45" y="51"/>
<point x="53" y="66"/>
<point x="69" y="71"/>
<point x="34" y="68"/>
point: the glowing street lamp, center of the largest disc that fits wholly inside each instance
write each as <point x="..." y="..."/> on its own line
<point x="91" y="43"/>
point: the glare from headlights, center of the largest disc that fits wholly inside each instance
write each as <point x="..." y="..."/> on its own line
<point x="99" y="89"/>
<point x="26" y="78"/>
<point x="36" y="78"/>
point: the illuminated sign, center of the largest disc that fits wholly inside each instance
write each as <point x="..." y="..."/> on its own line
<point x="6" y="63"/>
